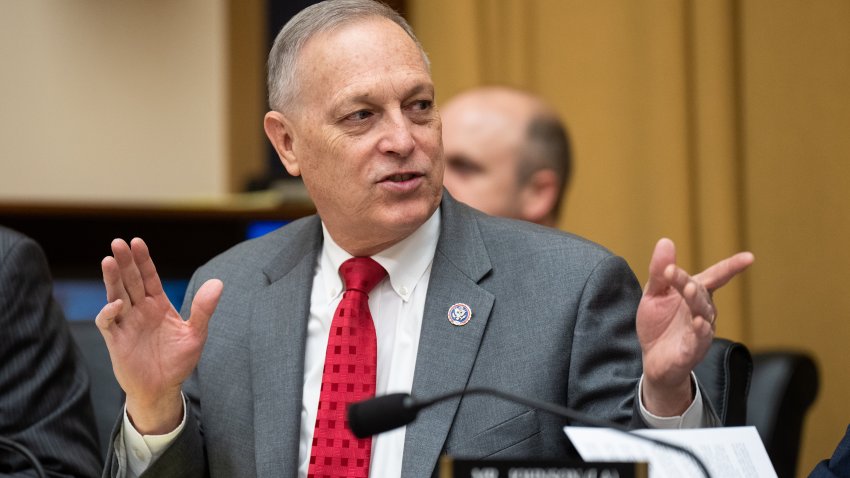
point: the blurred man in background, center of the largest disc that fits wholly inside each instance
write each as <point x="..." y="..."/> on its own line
<point x="507" y="154"/>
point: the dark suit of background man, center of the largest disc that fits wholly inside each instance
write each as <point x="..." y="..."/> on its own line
<point x="838" y="466"/>
<point x="44" y="387"/>
<point x="552" y="315"/>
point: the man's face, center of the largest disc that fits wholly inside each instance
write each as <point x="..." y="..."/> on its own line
<point x="364" y="134"/>
<point x="481" y="141"/>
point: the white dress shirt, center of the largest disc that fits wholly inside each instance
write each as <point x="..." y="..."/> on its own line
<point x="397" y="305"/>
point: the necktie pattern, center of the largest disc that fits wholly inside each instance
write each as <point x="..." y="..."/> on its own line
<point x="349" y="376"/>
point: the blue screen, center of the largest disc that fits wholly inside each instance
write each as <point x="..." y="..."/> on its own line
<point x="82" y="299"/>
<point x="260" y="228"/>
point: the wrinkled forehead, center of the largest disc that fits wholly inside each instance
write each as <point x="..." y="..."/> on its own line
<point x="371" y="49"/>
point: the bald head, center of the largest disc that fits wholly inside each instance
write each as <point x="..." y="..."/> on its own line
<point x="507" y="153"/>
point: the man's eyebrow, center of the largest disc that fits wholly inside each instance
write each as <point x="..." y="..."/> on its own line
<point x="421" y="88"/>
<point x="367" y="97"/>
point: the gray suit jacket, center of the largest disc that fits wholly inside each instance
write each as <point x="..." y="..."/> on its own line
<point x="44" y="386"/>
<point x="552" y="318"/>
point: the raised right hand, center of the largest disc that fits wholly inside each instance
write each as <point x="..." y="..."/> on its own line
<point x="153" y="350"/>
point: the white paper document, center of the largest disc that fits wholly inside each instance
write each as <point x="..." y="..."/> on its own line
<point x="730" y="452"/>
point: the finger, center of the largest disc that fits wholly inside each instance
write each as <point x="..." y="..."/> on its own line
<point x="130" y="275"/>
<point x="704" y="333"/>
<point x="107" y="316"/>
<point x="112" y="280"/>
<point x="204" y="304"/>
<point x="695" y="294"/>
<point x="663" y="256"/>
<point x="147" y="270"/>
<point x="722" y="272"/>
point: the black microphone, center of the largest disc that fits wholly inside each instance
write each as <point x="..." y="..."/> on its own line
<point x="386" y="412"/>
<point x="16" y="447"/>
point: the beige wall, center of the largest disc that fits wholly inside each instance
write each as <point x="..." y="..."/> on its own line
<point x="120" y="101"/>
<point x="722" y="124"/>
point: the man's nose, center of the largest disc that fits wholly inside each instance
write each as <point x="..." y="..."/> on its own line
<point x="397" y="136"/>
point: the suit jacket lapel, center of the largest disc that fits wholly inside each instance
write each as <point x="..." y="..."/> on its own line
<point x="447" y="352"/>
<point x="278" y="336"/>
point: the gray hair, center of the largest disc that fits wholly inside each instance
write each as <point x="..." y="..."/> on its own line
<point x="318" y="18"/>
<point x="547" y="146"/>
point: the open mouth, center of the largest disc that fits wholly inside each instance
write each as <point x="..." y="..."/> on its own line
<point x="403" y="182"/>
<point x="399" y="178"/>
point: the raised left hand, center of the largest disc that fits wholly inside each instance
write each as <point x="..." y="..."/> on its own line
<point x="676" y="320"/>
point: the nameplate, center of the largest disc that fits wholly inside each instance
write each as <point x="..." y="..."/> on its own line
<point x="456" y="468"/>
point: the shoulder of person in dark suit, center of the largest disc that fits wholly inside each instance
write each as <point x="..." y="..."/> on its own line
<point x="44" y="386"/>
<point x="839" y="464"/>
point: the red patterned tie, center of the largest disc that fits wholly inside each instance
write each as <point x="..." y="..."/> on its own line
<point x="348" y="376"/>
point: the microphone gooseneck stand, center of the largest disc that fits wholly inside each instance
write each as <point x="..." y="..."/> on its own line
<point x="387" y="412"/>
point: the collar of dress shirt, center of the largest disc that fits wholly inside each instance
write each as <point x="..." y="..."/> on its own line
<point x="405" y="262"/>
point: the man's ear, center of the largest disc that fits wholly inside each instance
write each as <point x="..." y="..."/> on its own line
<point x="280" y="133"/>
<point x="539" y="197"/>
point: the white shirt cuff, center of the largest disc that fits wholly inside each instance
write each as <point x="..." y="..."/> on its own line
<point x="142" y="450"/>
<point x="692" y="418"/>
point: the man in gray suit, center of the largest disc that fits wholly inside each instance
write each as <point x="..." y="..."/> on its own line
<point x="234" y="389"/>
<point x="44" y="386"/>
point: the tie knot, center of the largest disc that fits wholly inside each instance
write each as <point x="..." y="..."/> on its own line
<point x="361" y="273"/>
